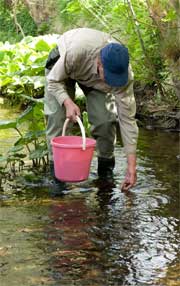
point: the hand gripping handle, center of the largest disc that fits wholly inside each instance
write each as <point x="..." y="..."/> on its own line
<point x="81" y="128"/>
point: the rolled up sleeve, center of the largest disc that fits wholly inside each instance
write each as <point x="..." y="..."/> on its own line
<point x="55" y="80"/>
<point x="126" y="108"/>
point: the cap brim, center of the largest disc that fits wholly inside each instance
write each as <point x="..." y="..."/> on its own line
<point x="116" y="80"/>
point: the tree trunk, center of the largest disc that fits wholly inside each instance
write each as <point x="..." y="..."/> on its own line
<point x="137" y="29"/>
<point x="169" y="32"/>
<point x="41" y="10"/>
<point x="18" y="26"/>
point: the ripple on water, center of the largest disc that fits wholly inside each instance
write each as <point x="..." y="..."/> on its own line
<point x="93" y="236"/>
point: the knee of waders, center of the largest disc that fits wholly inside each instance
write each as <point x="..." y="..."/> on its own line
<point x="106" y="129"/>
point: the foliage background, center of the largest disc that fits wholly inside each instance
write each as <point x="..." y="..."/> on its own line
<point x="149" y="28"/>
<point x="9" y="31"/>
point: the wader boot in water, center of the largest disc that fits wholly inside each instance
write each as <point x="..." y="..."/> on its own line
<point x="57" y="186"/>
<point x="105" y="171"/>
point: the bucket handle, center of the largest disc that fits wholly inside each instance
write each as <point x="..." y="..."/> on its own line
<point x="81" y="128"/>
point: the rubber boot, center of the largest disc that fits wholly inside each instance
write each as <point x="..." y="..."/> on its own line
<point x="106" y="167"/>
<point x="105" y="172"/>
<point x="57" y="186"/>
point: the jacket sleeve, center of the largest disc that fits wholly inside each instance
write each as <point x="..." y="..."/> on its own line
<point x="126" y="108"/>
<point x="55" y="80"/>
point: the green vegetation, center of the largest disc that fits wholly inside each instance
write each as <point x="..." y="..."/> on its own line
<point x="149" y="29"/>
<point x="31" y="142"/>
<point x="22" y="68"/>
<point x="15" y="22"/>
<point x="22" y="83"/>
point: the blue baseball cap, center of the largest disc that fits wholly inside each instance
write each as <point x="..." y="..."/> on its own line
<point x="115" y="61"/>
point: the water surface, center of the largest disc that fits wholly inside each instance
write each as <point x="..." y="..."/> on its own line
<point x="97" y="236"/>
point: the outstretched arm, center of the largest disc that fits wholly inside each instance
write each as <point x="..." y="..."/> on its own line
<point x="126" y="107"/>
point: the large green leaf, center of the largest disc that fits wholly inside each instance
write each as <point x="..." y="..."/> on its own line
<point x="21" y="142"/>
<point x="15" y="149"/>
<point x="2" y="53"/>
<point x="26" y="115"/>
<point x="5" y="81"/>
<point x="41" y="45"/>
<point x="18" y="156"/>
<point x="38" y="111"/>
<point x="13" y="67"/>
<point x="5" y="124"/>
<point x="30" y="98"/>
<point x="38" y="153"/>
<point x="31" y="135"/>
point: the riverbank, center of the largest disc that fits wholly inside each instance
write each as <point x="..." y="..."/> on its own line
<point x="154" y="112"/>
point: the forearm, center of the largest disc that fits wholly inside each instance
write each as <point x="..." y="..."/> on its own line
<point x="129" y="138"/>
<point x="131" y="161"/>
<point x="58" y="90"/>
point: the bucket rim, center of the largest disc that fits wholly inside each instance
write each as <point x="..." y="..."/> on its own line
<point x="70" y="146"/>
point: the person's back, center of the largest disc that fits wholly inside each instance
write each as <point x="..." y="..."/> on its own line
<point x="85" y="38"/>
<point x="80" y="49"/>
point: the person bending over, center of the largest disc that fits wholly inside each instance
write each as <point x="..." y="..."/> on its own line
<point x="100" y="66"/>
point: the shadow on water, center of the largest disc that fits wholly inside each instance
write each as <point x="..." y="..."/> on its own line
<point x="97" y="236"/>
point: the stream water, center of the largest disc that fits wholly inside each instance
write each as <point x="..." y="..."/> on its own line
<point x="97" y="237"/>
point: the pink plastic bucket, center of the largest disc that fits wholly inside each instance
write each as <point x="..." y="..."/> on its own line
<point x="72" y="155"/>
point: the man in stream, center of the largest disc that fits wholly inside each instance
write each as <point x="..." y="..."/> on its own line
<point x="100" y="66"/>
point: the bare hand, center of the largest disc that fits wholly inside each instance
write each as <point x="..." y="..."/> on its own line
<point x="129" y="182"/>
<point x="131" y="177"/>
<point x="72" y="110"/>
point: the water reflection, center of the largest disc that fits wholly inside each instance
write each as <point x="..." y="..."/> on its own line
<point x="99" y="236"/>
<point x="73" y="251"/>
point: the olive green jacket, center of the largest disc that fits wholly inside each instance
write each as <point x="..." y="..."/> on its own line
<point x="79" y="49"/>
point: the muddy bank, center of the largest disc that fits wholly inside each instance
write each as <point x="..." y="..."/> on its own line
<point x="169" y="121"/>
<point x="155" y="112"/>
